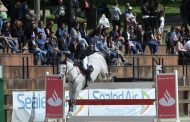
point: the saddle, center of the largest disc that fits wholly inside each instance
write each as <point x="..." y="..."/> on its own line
<point x="86" y="73"/>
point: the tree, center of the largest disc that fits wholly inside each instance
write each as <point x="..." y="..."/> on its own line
<point x="166" y="3"/>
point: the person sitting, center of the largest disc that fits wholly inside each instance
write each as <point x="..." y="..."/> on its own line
<point x="116" y="46"/>
<point x="53" y="52"/>
<point x="83" y="31"/>
<point x="151" y="41"/>
<point x="75" y="32"/>
<point x="39" y="55"/>
<point x="131" y="45"/>
<point x="64" y="43"/>
<point x="100" y="45"/>
<point x="41" y="45"/>
<point x="6" y="32"/>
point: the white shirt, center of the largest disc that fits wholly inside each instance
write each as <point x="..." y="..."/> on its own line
<point x="162" y="20"/>
<point x="187" y="46"/>
<point x="104" y="21"/>
<point x="129" y="16"/>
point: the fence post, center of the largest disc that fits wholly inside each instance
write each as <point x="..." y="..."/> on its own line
<point x="2" y="112"/>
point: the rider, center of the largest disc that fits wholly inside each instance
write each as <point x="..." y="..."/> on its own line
<point x="81" y="55"/>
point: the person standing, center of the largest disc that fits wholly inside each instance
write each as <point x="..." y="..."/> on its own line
<point x="115" y="15"/>
<point x="60" y="13"/>
<point x="3" y="14"/>
<point x="184" y="12"/>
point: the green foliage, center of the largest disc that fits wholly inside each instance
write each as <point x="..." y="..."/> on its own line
<point x="167" y="2"/>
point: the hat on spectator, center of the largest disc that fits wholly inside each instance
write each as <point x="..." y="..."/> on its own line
<point x="130" y="8"/>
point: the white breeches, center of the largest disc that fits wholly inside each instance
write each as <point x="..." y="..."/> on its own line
<point x="85" y="63"/>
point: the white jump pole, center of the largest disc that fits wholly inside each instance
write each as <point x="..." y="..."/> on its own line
<point x="177" y="96"/>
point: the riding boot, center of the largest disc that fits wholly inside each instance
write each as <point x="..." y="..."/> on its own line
<point x="88" y="73"/>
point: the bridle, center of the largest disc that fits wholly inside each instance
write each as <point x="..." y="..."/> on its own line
<point x="68" y="72"/>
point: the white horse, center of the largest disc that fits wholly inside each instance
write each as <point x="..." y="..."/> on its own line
<point x="77" y="79"/>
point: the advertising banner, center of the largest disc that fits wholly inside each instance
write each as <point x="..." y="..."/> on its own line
<point x="28" y="106"/>
<point x="54" y="97"/>
<point x="166" y="96"/>
<point x="115" y="110"/>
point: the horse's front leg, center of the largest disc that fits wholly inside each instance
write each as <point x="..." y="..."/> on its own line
<point x="71" y="108"/>
<point x="72" y="100"/>
<point x="73" y="94"/>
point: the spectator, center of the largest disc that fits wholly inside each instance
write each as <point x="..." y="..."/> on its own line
<point x="187" y="46"/>
<point x="49" y="28"/>
<point x="60" y="13"/>
<point x="18" y="32"/>
<point x="61" y="31"/>
<point x="129" y="44"/>
<point x="150" y="40"/>
<point x="31" y="33"/>
<point x="130" y="18"/>
<point x="6" y="32"/>
<point x="39" y="55"/>
<point x="70" y="15"/>
<point x="28" y="21"/>
<point x="3" y="14"/>
<point x="115" y="15"/>
<point x="184" y="12"/>
<point x="115" y="33"/>
<point x="75" y="32"/>
<point x="127" y="5"/>
<point x="103" y="9"/>
<point x="16" y="13"/>
<point x="172" y="40"/>
<point x="183" y="33"/>
<point x="41" y="41"/>
<point x="72" y="48"/>
<point x="161" y="23"/>
<point x="114" y="46"/>
<point x="180" y="46"/>
<point x="85" y="7"/>
<point x="75" y="5"/>
<point x="84" y="33"/>
<point x="53" y="52"/>
<point x="41" y="29"/>
<point x="138" y="32"/>
<point x="64" y="43"/>
<point x="104" y="21"/>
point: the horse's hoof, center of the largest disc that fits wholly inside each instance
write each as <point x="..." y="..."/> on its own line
<point x="67" y="118"/>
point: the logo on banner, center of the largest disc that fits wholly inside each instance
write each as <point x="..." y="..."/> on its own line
<point x="167" y="100"/>
<point x="54" y="100"/>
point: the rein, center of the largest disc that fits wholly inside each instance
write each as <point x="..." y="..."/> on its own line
<point x="68" y="72"/>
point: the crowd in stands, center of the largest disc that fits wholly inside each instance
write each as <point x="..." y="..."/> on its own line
<point x="24" y="34"/>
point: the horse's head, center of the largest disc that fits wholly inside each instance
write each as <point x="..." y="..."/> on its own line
<point x="62" y="70"/>
<point x="65" y="68"/>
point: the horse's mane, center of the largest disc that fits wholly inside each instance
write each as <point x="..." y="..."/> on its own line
<point x="70" y="61"/>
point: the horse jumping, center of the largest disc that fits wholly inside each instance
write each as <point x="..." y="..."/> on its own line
<point x="77" y="79"/>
